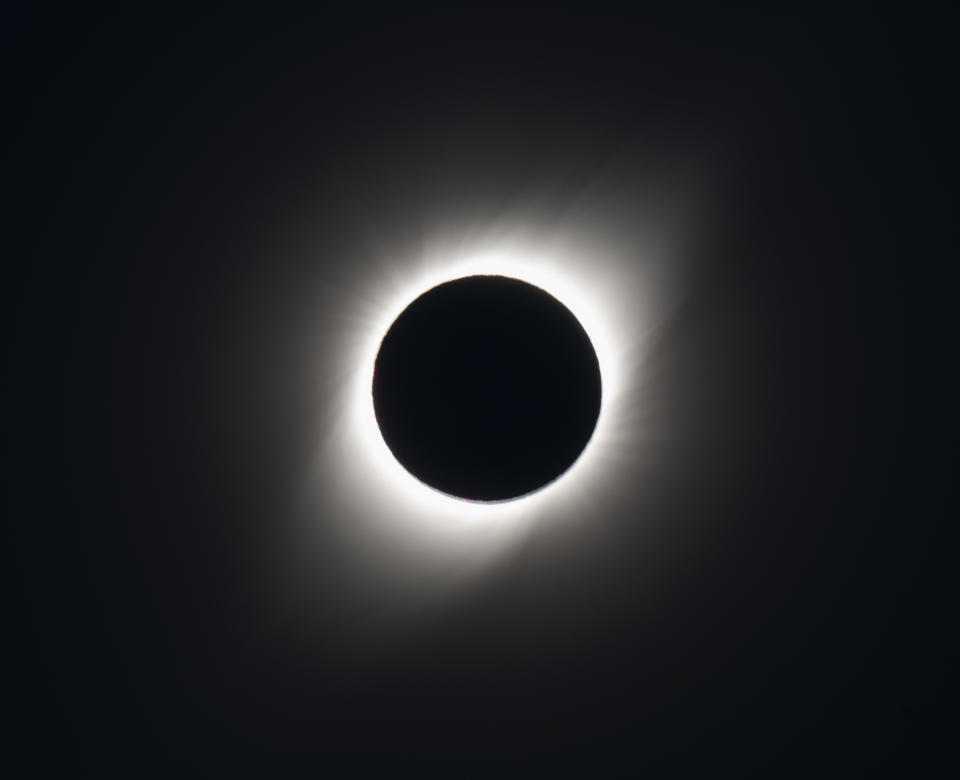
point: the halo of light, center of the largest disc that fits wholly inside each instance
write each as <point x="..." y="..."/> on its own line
<point x="395" y="517"/>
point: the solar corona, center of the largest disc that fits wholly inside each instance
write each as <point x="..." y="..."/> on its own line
<point x="482" y="383"/>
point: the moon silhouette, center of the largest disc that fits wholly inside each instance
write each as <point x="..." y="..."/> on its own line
<point x="486" y="388"/>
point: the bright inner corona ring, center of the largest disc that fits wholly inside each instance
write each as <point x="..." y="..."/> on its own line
<point x="377" y="504"/>
<point x="574" y="294"/>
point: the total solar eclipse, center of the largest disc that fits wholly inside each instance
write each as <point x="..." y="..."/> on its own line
<point x="486" y="388"/>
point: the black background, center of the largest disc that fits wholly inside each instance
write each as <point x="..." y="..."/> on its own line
<point x="156" y="163"/>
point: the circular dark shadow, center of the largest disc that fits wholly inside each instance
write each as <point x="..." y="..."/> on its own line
<point x="486" y="388"/>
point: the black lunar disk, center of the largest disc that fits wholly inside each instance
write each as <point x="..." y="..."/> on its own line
<point x="486" y="388"/>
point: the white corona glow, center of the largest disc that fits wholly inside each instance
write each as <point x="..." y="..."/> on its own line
<point x="397" y="518"/>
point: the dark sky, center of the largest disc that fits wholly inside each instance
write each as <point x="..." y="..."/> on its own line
<point x="168" y="172"/>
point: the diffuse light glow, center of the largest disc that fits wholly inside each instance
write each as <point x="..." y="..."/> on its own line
<point x="392" y="514"/>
